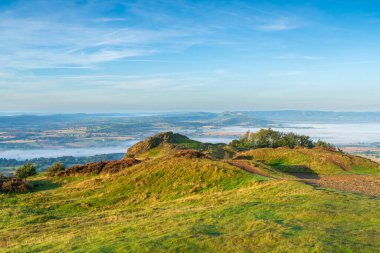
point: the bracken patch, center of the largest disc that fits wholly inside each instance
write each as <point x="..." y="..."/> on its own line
<point x="99" y="167"/>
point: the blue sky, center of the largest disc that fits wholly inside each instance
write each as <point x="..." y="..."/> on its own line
<point x="122" y="56"/>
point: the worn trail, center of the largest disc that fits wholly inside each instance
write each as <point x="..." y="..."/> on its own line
<point x="364" y="184"/>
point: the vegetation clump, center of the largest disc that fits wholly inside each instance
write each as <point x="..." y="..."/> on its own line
<point x="268" y="138"/>
<point x="25" y="171"/>
<point x="325" y="145"/>
<point x="98" y="167"/>
<point x="14" y="185"/>
<point x="55" y="168"/>
<point x="18" y="183"/>
<point x="191" y="154"/>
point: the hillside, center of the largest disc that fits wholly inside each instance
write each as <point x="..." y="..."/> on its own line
<point x="315" y="161"/>
<point x="167" y="143"/>
<point x="187" y="201"/>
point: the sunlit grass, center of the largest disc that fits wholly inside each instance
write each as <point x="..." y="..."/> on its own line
<point x="318" y="161"/>
<point x="178" y="204"/>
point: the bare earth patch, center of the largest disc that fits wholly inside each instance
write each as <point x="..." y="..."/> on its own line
<point x="368" y="185"/>
<point x="248" y="167"/>
<point x="364" y="184"/>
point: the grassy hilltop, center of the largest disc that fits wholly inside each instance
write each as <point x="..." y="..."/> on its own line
<point x="168" y="198"/>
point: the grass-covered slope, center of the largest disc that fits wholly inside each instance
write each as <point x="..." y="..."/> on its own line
<point x="317" y="160"/>
<point x="182" y="201"/>
<point x="185" y="205"/>
<point x="167" y="143"/>
<point x="162" y="179"/>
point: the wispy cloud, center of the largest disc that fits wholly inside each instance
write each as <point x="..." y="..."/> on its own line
<point x="43" y="46"/>
<point x="85" y="39"/>
<point x="52" y="40"/>
<point x="281" y="24"/>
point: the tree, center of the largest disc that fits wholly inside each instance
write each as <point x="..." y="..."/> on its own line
<point x="27" y="170"/>
<point x="56" y="167"/>
<point x="268" y="138"/>
<point x="323" y="144"/>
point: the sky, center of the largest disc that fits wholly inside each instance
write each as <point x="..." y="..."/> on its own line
<point x="128" y="56"/>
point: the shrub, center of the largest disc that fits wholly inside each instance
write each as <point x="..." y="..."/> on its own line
<point x="323" y="144"/>
<point x="191" y="154"/>
<point x="56" y="167"/>
<point x="27" y="170"/>
<point x="99" y="167"/>
<point x="15" y="185"/>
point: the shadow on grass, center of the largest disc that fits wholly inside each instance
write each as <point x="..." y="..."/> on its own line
<point x="300" y="171"/>
<point x="44" y="185"/>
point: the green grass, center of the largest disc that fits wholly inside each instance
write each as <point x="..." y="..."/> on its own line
<point x="186" y="205"/>
<point x="318" y="161"/>
<point x="166" y="149"/>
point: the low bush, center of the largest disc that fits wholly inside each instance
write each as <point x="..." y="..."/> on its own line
<point x="56" y="167"/>
<point x="98" y="167"/>
<point x="14" y="185"/>
<point x="191" y="154"/>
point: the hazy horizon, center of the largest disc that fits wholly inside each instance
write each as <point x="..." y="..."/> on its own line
<point x="41" y="113"/>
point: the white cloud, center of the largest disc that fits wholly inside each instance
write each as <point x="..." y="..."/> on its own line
<point x="44" y="42"/>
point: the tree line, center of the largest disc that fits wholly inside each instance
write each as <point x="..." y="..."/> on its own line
<point x="268" y="138"/>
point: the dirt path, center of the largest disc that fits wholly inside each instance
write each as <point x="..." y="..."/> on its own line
<point x="364" y="184"/>
<point x="368" y="185"/>
<point x="248" y="167"/>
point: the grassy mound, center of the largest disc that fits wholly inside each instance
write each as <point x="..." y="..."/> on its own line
<point x="168" y="139"/>
<point x="316" y="160"/>
<point x="168" y="143"/>
<point x="169" y="178"/>
<point x="203" y="173"/>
